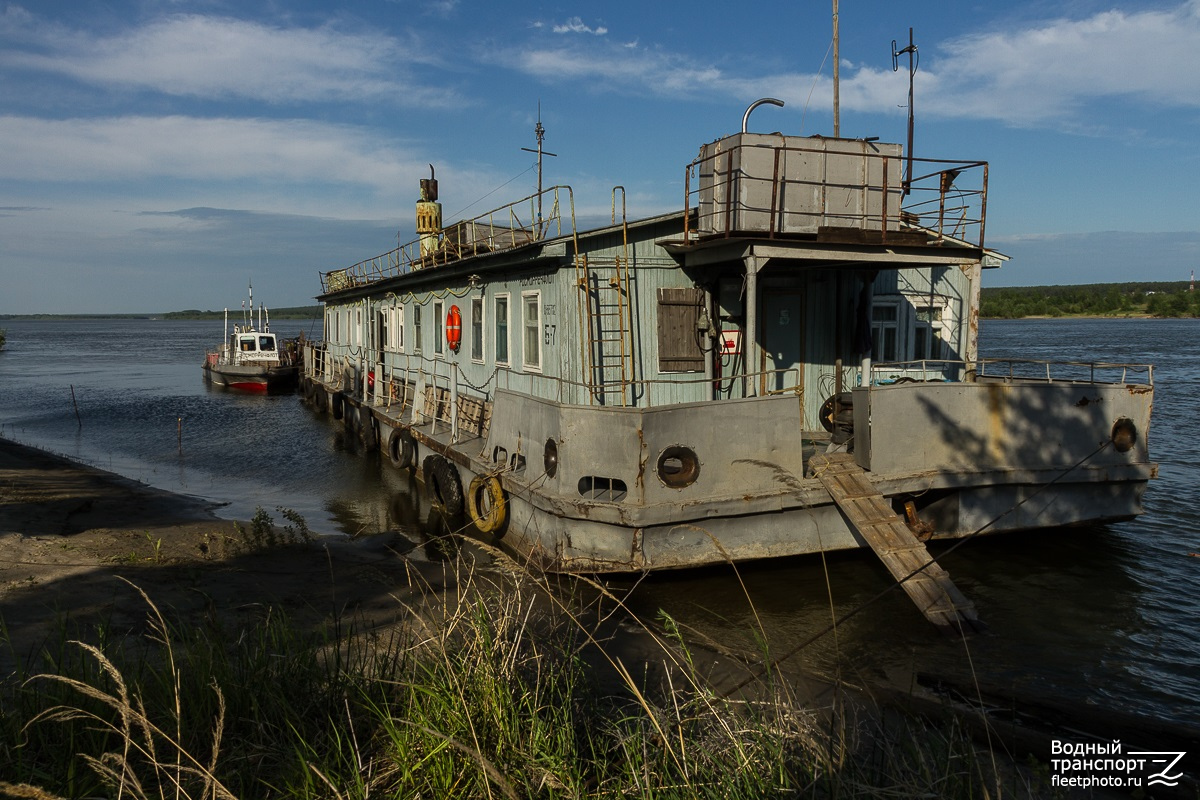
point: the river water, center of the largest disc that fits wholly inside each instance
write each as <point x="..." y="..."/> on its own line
<point x="1106" y="617"/>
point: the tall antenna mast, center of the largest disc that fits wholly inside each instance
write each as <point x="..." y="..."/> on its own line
<point x="837" y="102"/>
<point x="540" y="133"/>
<point x="913" y="61"/>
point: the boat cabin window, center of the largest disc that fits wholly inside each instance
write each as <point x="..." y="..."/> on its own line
<point x="928" y="336"/>
<point x="266" y="343"/>
<point x="501" y="319"/>
<point x="439" y="330"/>
<point x="885" y="326"/>
<point x="477" y="329"/>
<point x="531" y="344"/>
<point x="416" y="315"/>
<point x="246" y="344"/>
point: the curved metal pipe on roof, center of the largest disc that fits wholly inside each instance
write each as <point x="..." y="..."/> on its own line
<point x="756" y="104"/>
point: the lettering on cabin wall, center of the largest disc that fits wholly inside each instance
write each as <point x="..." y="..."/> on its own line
<point x="537" y="280"/>
<point x="550" y="327"/>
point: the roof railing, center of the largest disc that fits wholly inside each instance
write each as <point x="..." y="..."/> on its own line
<point x="504" y="228"/>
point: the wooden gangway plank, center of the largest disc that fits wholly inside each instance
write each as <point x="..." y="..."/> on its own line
<point x="871" y="515"/>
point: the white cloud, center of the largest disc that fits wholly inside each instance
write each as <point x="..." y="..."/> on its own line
<point x="189" y="148"/>
<point x="1049" y="73"/>
<point x="219" y="57"/>
<point x="575" y="25"/>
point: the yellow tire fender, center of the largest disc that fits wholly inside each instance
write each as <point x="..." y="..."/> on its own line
<point x="486" y="503"/>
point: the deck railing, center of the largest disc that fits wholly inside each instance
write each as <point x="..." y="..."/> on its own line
<point x="1011" y="369"/>
<point x="740" y="191"/>
<point x="531" y="219"/>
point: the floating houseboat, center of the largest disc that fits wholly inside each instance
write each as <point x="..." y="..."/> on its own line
<point x="787" y="365"/>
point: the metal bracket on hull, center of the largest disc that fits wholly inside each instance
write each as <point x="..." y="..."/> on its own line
<point x="868" y="513"/>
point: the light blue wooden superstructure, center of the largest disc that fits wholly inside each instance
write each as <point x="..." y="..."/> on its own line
<point x="651" y="393"/>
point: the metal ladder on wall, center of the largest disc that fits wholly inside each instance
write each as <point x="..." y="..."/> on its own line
<point x="606" y="320"/>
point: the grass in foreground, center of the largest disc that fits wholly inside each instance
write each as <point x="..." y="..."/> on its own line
<point x="494" y="692"/>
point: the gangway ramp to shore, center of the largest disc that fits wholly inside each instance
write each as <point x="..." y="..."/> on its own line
<point x="905" y="556"/>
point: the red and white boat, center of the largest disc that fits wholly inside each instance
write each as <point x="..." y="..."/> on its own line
<point x="252" y="359"/>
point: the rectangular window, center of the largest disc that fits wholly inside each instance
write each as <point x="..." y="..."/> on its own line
<point x="416" y="329"/>
<point x="396" y="329"/>
<point x="531" y="341"/>
<point x="439" y="331"/>
<point x="884" y="331"/>
<point x="501" y="329"/>
<point x="927" y="336"/>
<point x="477" y="329"/>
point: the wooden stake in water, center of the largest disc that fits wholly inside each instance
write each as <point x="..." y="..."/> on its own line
<point x="78" y="418"/>
<point x="179" y="428"/>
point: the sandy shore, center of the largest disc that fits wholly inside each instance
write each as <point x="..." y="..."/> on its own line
<point x="73" y="538"/>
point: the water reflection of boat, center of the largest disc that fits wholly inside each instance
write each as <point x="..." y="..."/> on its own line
<point x="251" y="358"/>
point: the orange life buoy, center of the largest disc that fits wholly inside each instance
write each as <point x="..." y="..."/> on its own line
<point x="454" y="328"/>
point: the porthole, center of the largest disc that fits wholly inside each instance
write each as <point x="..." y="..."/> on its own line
<point x="678" y="466"/>
<point x="550" y="458"/>
<point x="499" y="455"/>
<point x="1124" y="435"/>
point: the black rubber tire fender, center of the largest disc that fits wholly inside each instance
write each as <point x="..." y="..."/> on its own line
<point x="443" y="484"/>
<point x="402" y="448"/>
<point x="368" y="428"/>
<point x="337" y="405"/>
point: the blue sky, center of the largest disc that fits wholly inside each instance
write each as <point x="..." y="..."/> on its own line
<point x="156" y="156"/>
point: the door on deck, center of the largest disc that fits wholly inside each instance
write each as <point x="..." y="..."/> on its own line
<point x="782" y="340"/>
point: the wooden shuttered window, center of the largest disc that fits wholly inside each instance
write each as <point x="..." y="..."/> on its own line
<point x="678" y="341"/>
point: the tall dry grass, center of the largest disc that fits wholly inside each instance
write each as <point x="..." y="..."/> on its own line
<point x="500" y="689"/>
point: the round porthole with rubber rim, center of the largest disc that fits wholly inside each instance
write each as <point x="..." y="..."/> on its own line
<point x="678" y="466"/>
<point x="550" y="458"/>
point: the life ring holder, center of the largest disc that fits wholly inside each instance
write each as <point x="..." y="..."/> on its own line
<point x="402" y="448"/>
<point x="454" y="328"/>
<point x="489" y="516"/>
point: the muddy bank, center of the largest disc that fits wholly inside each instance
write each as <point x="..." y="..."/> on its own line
<point x="73" y="539"/>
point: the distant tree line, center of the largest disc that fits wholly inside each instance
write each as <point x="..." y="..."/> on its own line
<point x="1160" y="299"/>
<point x="293" y="312"/>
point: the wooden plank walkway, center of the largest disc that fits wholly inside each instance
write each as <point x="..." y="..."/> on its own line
<point x="902" y="553"/>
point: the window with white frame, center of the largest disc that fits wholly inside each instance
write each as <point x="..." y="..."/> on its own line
<point x="500" y="319"/>
<point x="929" y="331"/>
<point x="531" y="339"/>
<point x="439" y="322"/>
<point x="358" y="325"/>
<point x="477" y="329"/>
<point x="395" y="329"/>
<point x="885" y="330"/>
<point x="416" y="315"/>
